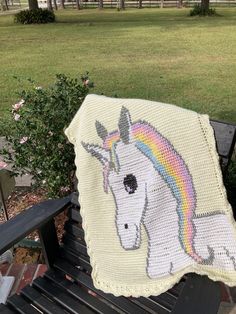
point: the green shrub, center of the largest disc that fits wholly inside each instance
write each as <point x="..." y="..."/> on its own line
<point x="36" y="143"/>
<point x="37" y="16"/>
<point x="198" y="10"/>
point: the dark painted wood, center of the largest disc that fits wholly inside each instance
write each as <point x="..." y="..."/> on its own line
<point x="49" y="242"/>
<point x="75" y="259"/>
<point x="24" y="223"/>
<point x="59" y="296"/>
<point x="200" y="295"/>
<point x="177" y="289"/>
<point x="74" y="229"/>
<point x="6" y="310"/>
<point x="165" y="300"/>
<point x="225" y="135"/>
<point x="84" y="279"/>
<point x="21" y="305"/>
<point x="75" y="199"/>
<point x="75" y="215"/>
<point x="81" y="294"/>
<point x="41" y="302"/>
<point x="150" y="306"/>
<point x="75" y="245"/>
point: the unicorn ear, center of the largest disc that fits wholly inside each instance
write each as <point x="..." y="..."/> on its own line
<point x="100" y="153"/>
<point x="101" y="130"/>
<point x="125" y="125"/>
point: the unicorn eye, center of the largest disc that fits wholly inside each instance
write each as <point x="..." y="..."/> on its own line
<point x="130" y="183"/>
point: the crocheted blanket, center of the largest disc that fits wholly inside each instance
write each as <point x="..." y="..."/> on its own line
<point x="152" y="198"/>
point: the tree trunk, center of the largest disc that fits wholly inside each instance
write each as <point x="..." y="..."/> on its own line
<point x="180" y="4"/>
<point x="140" y="4"/>
<point x="121" y="4"/>
<point x="205" y="6"/>
<point x="100" y="5"/>
<point x="33" y="4"/>
<point x="63" y="4"/>
<point x="49" y="5"/>
<point x="78" y="6"/>
<point x="55" y="4"/>
<point x="6" y="4"/>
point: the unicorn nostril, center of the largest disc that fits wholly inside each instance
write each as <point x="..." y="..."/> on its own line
<point x="126" y="226"/>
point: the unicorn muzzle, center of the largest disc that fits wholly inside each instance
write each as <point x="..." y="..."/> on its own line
<point x="129" y="235"/>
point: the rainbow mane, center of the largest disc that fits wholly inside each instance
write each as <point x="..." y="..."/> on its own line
<point x="170" y="165"/>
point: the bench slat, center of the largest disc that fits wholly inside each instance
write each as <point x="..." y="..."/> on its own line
<point x="21" y="305"/>
<point x="225" y="135"/>
<point x="75" y="245"/>
<point x="150" y="306"/>
<point x="75" y="259"/>
<point x="75" y="215"/>
<point x="121" y="302"/>
<point x="74" y="229"/>
<point x="59" y="296"/>
<point x="79" y="293"/>
<point x="4" y="309"/>
<point x="41" y="301"/>
<point x="165" y="299"/>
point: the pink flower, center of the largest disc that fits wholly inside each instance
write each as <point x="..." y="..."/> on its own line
<point x="18" y="105"/>
<point x="64" y="189"/>
<point x="24" y="139"/>
<point x="16" y="116"/>
<point x="86" y="82"/>
<point x="3" y="164"/>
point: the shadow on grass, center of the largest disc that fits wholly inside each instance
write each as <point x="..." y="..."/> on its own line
<point x="134" y="18"/>
<point x="167" y="18"/>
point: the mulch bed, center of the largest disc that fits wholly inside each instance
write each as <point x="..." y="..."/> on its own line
<point x="18" y="202"/>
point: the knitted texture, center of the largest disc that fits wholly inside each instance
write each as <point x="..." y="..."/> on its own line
<point x="152" y="198"/>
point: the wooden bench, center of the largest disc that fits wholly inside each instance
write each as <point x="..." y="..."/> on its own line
<point x="67" y="286"/>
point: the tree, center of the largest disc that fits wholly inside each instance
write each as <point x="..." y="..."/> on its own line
<point x="78" y="5"/>
<point x="55" y="4"/>
<point x="180" y="4"/>
<point x="205" y="6"/>
<point x="100" y="5"/>
<point x="33" y="4"/>
<point x="63" y="4"/>
<point x="4" y="5"/>
<point x="49" y="5"/>
<point x="120" y="4"/>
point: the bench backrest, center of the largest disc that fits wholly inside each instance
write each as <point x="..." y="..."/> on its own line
<point x="225" y="135"/>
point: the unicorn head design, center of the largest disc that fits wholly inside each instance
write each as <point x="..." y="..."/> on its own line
<point x="149" y="181"/>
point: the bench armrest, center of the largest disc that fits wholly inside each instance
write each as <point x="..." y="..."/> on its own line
<point x="33" y="218"/>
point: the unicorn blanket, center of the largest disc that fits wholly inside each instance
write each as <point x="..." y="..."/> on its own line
<point x="152" y="199"/>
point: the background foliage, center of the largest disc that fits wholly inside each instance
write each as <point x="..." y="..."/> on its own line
<point x="37" y="16"/>
<point x="37" y="144"/>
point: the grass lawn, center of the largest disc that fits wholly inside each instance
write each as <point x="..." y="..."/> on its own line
<point x="154" y="54"/>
